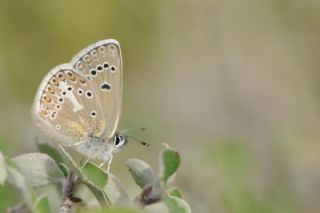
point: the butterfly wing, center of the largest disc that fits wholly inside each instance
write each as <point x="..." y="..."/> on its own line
<point x="101" y="64"/>
<point x="66" y="106"/>
<point x="82" y="99"/>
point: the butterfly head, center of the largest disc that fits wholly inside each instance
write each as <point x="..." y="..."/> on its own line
<point x="121" y="138"/>
<point x="119" y="141"/>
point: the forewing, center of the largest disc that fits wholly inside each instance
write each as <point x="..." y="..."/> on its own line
<point x="101" y="64"/>
<point x="67" y="106"/>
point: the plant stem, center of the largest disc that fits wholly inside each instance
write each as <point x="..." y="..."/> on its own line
<point x="20" y="208"/>
<point x="150" y="194"/>
<point x="68" y="193"/>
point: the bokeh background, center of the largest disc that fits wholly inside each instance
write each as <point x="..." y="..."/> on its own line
<point x="233" y="85"/>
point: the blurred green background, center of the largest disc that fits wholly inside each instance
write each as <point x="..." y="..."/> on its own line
<point x="233" y="85"/>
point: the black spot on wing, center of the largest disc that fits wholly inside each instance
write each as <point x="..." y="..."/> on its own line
<point x="105" y="86"/>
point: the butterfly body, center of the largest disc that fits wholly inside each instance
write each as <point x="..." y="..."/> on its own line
<point x="101" y="148"/>
<point x="79" y="103"/>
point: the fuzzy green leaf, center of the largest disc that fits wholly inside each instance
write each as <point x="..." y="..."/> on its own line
<point x="64" y="169"/>
<point x="96" y="175"/>
<point x="176" y="205"/>
<point x="3" y="170"/>
<point x="116" y="191"/>
<point x="100" y="195"/>
<point x="42" y="205"/>
<point x="67" y="159"/>
<point x="141" y="172"/>
<point x="170" y="161"/>
<point x="111" y="210"/>
<point x="176" y="193"/>
<point x="38" y="169"/>
<point x="16" y="179"/>
<point x="51" y="151"/>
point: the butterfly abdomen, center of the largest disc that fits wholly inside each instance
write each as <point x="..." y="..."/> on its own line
<point x="96" y="148"/>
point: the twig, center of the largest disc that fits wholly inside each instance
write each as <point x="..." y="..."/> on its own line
<point x="68" y="198"/>
<point x="20" y="208"/>
<point x="150" y="194"/>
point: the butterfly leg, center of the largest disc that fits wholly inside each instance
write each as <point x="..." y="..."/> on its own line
<point x="83" y="162"/>
<point x="75" y="144"/>
<point x="107" y="161"/>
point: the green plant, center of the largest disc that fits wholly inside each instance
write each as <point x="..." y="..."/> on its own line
<point x="55" y="167"/>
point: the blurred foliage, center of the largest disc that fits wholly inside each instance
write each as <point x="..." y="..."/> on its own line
<point x="9" y="197"/>
<point x="193" y="71"/>
<point x="236" y="163"/>
<point x="28" y="172"/>
<point x="39" y="27"/>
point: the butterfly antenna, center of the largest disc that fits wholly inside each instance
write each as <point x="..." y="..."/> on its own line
<point x="136" y="140"/>
<point x="133" y="130"/>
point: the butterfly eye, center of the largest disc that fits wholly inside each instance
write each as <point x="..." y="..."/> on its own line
<point x="119" y="140"/>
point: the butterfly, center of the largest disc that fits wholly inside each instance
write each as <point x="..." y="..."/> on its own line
<point x="79" y="102"/>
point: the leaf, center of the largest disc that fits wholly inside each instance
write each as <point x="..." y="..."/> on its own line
<point x="38" y="169"/>
<point x="68" y="160"/>
<point x="51" y="151"/>
<point x="116" y="191"/>
<point x="150" y="194"/>
<point x="175" y="192"/>
<point x="170" y="161"/>
<point x="42" y="205"/>
<point x="111" y="210"/>
<point x="75" y="199"/>
<point x="101" y="196"/>
<point x="176" y="205"/>
<point x="64" y="169"/>
<point x="16" y="179"/>
<point x="9" y="196"/>
<point x="96" y="175"/>
<point x="3" y="170"/>
<point x="141" y="172"/>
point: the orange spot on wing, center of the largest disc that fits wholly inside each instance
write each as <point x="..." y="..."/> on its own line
<point x="61" y="76"/>
<point x="55" y="81"/>
<point x="50" y="90"/>
<point x="46" y="99"/>
<point x="43" y="113"/>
